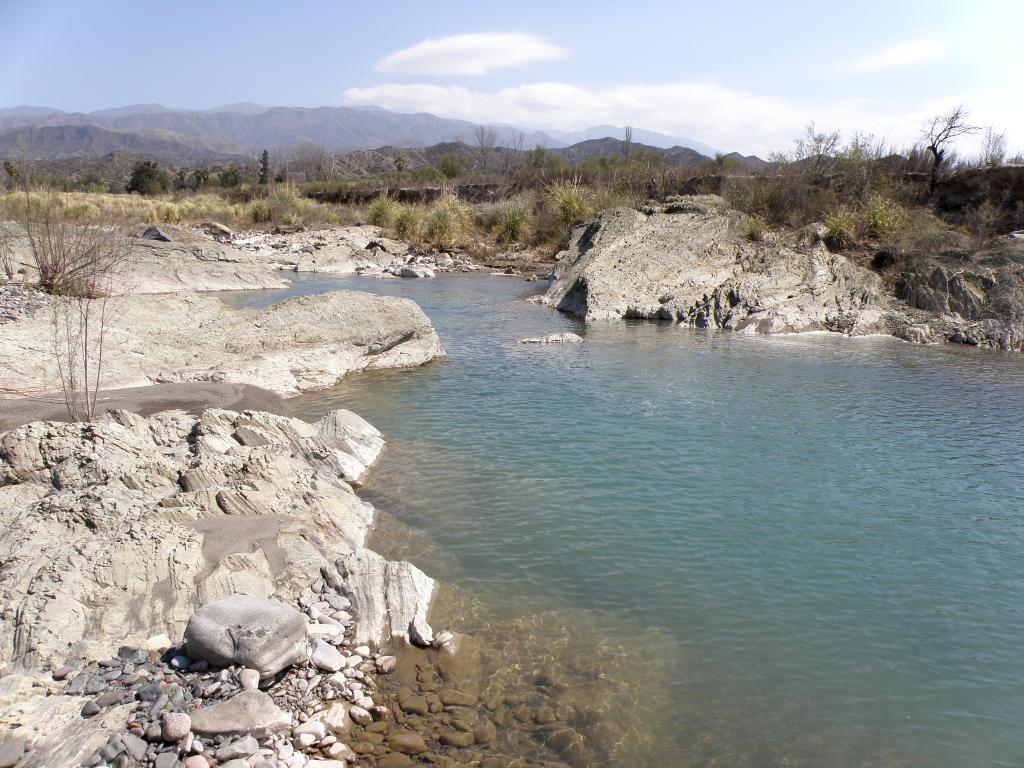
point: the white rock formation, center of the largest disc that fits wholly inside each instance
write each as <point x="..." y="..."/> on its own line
<point x="303" y="344"/>
<point x="114" y="532"/>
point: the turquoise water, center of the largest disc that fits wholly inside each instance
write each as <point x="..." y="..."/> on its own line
<point x="819" y="542"/>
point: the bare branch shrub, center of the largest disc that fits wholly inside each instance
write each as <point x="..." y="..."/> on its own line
<point x="993" y="148"/>
<point x="80" y="263"/>
<point x="6" y="251"/>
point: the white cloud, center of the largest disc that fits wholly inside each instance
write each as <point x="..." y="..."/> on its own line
<point x="902" y="55"/>
<point x="708" y="112"/>
<point x="475" y="54"/>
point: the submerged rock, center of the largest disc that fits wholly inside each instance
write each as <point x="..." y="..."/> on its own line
<point x="554" y="338"/>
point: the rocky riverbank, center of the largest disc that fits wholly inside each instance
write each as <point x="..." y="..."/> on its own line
<point x="116" y="533"/>
<point x="689" y="261"/>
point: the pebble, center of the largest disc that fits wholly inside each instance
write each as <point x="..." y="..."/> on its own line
<point x="360" y="715"/>
<point x="175" y="726"/>
<point x="243" y="747"/>
<point x="248" y="679"/>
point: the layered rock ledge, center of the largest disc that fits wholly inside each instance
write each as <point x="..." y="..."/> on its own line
<point x="115" y="533"/>
<point x="302" y="344"/>
<point x="689" y="261"/>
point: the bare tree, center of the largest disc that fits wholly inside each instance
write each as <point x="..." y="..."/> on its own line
<point x="993" y="148"/>
<point x="486" y="138"/>
<point x="939" y="134"/>
<point x="309" y="161"/>
<point x="627" y="139"/>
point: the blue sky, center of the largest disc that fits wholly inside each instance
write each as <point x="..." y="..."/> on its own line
<point x="737" y="75"/>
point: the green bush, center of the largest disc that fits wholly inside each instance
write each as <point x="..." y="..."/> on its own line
<point x="450" y="166"/>
<point x="882" y="217"/>
<point x="756" y="228"/>
<point x="840" y="228"/>
<point x="408" y="221"/>
<point x="568" y="201"/>
<point x="259" y="211"/>
<point x="382" y="212"/>
<point x="148" y="178"/>
<point x="514" y="222"/>
<point x="447" y="220"/>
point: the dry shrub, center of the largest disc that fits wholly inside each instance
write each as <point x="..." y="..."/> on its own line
<point x="840" y="228"/>
<point x="568" y="201"/>
<point x="383" y="211"/>
<point x="408" y="222"/>
<point x="883" y="218"/>
<point x="447" y="220"/>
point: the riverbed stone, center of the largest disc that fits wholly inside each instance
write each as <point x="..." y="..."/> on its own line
<point x="259" y="634"/>
<point x="175" y="726"/>
<point x="252" y="712"/>
<point x="239" y="748"/>
<point x="409" y="742"/>
<point x="325" y="656"/>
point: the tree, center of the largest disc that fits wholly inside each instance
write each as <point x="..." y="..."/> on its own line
<point x="486" y="138"/>
<point x="148" y="178"/>
<point x="200" y="178"/>
<point x="939" y="134"/>
<point x="12" y="172"/>
<point x="230" y="176"/>
<point x="450" y="166"/>
<point x="310" y="162"/>
<point x="264" y="167"/>
<point x="399" y="164"/>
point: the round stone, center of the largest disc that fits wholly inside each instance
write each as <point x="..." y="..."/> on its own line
<point x="174" y="726"/>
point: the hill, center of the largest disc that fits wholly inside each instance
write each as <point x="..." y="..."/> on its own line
<point x="66" y="142"/>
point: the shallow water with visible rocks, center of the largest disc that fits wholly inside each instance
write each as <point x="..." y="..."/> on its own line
<point x="672" y="547"/>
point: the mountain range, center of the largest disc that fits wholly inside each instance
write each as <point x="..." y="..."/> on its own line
<point x="242" y="130"/>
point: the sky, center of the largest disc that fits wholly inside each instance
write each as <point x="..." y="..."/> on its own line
<point x="745" y="76"/>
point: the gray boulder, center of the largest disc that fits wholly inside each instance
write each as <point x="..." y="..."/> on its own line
<point x="251" y="713"/>
<point x="247" y="631"/>
<point x="155" y="233"/>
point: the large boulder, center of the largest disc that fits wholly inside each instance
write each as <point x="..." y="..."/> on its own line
<point x="249" y="712"/>
<point x="249" y="632"/>
<point x="689" y="262"/>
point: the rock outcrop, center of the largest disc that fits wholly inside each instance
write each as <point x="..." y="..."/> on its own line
<point x="302" y="344"/>
<point x="978" y="299"/>
<point x="114" y="532"/>
<point x="687" y="261"/>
